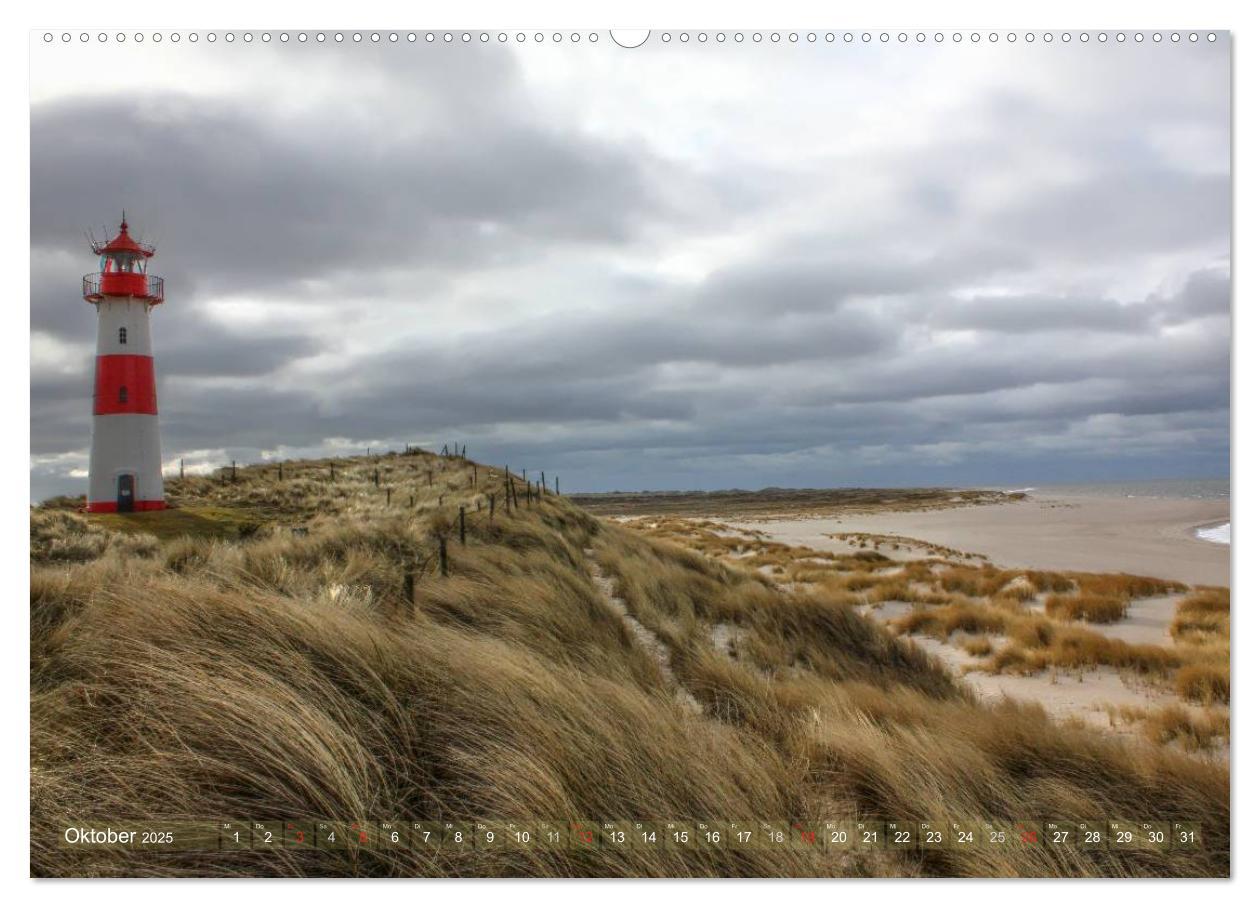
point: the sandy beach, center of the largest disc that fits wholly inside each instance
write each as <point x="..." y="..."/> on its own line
<point x="1150" y="536"/>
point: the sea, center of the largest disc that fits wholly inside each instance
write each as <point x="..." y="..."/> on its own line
<point x="1141" y="488"/>
<point x="1148" y="488"/>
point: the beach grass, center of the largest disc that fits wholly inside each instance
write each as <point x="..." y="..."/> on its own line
<point x="1092" y="607"/>
<point x="1203" y="616"/>
<point x="324" y="667"/>
<point x="1202" y="730"/>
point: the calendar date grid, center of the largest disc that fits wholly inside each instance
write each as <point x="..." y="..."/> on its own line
<point x="490" y="835"/>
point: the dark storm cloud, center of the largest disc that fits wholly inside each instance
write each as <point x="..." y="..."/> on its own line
<point x="445" y="166"/>
<point x="434" y="245"/>
<point x="254" y="204"/>
<point x="206" y="348"/>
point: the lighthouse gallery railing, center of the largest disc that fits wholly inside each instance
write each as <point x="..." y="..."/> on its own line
<point x="144" y="286"/>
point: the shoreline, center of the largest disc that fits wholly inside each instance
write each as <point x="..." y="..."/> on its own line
<point x="1147" y="536"/>
<point x="1200" y="532"/>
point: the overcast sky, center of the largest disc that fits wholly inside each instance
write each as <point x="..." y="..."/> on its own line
<point x="680" y="266"/>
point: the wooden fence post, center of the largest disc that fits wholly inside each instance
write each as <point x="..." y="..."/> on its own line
<point x="332" y="472"/>
<point x="376" y="477"/>
<point x="474" y="474"/>
<point x="542" y="483"/>
<point x="461" y="525"/>
<point x="181" y="468"/>
<point x="280" y="469"/>
<point x="491" y="505"/>
<point x="557" y="485"/>
<point x="389" y="493"/>
<point x="234" y="471"/>
<point x="442" y="555"/>
<point x="411" y="501"/>
<point x="409" y="590"/>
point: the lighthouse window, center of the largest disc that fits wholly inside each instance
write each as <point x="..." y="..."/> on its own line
<point x="122" y="335"/>
<point x="122" y="394"/>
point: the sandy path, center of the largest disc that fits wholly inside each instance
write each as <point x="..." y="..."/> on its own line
<point x="1151" y="536"/>
<point x="653" y="644"/>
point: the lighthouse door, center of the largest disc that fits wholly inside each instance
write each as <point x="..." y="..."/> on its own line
<point x="126" y="492"/>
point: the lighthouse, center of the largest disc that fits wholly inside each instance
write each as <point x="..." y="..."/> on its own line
<point x="125" y="471"/>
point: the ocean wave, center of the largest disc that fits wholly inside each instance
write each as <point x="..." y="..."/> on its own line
<point x="1218" y="534"/>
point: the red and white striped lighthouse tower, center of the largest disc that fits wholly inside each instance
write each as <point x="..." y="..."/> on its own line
<point x="125" y="472"/>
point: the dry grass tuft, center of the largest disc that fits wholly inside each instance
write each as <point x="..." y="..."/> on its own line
<point x="63" y="536"/>
<point x="1204" y="683"/>
<point x="978" y="646"/>
<point x="1203" y="616"/>
<point x="965" y="616"/>
<point x="1195" y="730"/>
<point x="1091" y="607"/>
<point x="1126" y="586"/>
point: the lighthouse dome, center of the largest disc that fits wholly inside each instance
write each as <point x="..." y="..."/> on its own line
<point x="123" y="244"/>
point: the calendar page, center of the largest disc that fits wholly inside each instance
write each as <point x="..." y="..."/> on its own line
<point x="583" y="452"/>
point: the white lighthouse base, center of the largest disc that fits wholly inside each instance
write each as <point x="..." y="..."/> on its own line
<point x="125" y="444"/>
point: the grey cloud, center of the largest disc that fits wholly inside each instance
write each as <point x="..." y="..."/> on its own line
<point x="247" y="202"/>
<point x="199" y="346"/>
<point x="1205" y="295"/>
<point x="1032" y="314"/>
<point x="607" y="302"/>
<point x="1122" y="211"/>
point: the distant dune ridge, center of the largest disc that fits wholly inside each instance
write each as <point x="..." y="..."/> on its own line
<point x="780" y="501"/>
<point x="288" y="647"/>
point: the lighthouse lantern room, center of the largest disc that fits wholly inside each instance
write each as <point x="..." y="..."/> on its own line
<point x="125" y="471"/>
